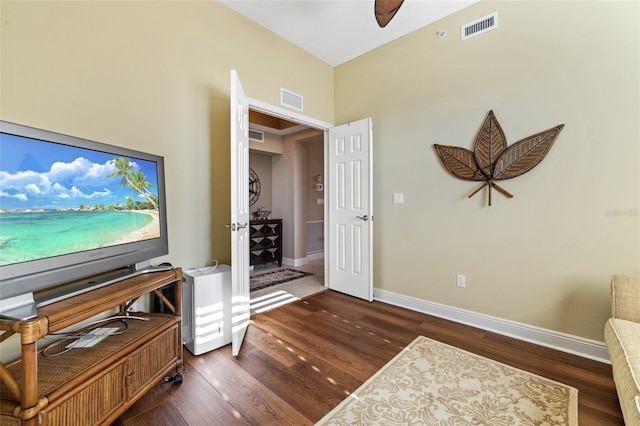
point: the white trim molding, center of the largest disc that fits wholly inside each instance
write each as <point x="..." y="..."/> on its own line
<point x="576" y="345"/>
<point x="287" y="261"/>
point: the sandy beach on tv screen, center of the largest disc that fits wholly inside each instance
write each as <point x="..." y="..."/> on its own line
<point x="149" y="231"/>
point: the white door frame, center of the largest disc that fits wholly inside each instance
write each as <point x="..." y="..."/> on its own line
<point x="279" y="112"/>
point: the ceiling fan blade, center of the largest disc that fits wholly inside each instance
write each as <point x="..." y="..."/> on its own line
<point x="385" y="10"/>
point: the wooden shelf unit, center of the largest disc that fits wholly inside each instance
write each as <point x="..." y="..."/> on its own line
<point x="265" y="241"/>
<point x="86" y="386"/>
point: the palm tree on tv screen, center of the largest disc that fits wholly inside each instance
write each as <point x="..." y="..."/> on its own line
<point x="134" y="178"/>
<point x="140" y="181"/>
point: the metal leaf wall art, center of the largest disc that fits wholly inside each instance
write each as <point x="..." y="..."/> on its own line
<point x="492" y="160"/>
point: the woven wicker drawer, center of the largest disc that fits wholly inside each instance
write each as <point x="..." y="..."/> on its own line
<point x="150" y="362"/>
<point x="119" y="385"/>
<point x="91" y="404"/>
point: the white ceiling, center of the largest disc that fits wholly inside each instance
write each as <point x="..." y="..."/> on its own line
<point x="337" y="31"/>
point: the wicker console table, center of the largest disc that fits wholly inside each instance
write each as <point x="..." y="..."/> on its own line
<point x="87" y="386"/>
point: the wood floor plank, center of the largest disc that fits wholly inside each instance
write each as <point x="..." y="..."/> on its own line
<point x="272" y="346"/>
<point x="297" y="384"/>
<point x="341" y="333"/>
<point x="326" y="349"/>
<point x="302" y="359"/>
<point x="196" y="401"/>
<point x="163" y="415"/>
<point x="252" y="399"/>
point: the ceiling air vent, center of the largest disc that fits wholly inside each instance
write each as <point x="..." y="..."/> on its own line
<point x="479" y="26"/>
<point x="256" y="135"/>
<point x="290" y="99"/>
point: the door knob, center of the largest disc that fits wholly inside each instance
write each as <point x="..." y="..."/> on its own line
<point x="233" y="226"/>
<point x="365" y="217"/>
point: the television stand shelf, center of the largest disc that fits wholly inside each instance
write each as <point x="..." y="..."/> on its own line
<point x="95" y="385"/>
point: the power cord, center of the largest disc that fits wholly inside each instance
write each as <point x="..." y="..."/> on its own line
<point x="208" y="267"/>
<point x="76" y="335"/>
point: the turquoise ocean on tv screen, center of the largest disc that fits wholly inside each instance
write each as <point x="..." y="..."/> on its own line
<point x="28" y="236"/>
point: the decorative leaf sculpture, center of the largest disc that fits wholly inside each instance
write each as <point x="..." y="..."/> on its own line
<point x="460" y="162"/>
<point x="492" y="159"/>
<point x="490" y="144"/>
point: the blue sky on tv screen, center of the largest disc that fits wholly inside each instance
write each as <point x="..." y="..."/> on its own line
<point x="36" y="174"/>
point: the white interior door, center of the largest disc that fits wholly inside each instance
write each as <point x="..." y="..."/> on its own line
<point x="349" y="207"/>
<point x="240" y="308"/>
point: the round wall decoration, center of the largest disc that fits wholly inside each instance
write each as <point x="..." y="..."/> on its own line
<point x="254" y="187"/>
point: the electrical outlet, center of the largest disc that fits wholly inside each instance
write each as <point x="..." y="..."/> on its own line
<point x="461" y="280"/>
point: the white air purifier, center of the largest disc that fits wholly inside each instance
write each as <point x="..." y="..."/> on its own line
<point x="206" y="308"/>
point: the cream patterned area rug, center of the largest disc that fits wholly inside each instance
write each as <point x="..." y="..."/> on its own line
<point x="431" y="383"/>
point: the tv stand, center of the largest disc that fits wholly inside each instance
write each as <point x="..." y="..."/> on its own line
<point x="75" y="288"/>
<point x="25" y="306"/>
<point x="92" y="385"/>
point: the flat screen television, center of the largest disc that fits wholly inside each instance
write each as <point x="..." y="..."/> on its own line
<point x="73" y="210"/>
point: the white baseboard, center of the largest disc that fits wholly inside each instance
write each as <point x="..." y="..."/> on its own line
<point x="583" y="347"/>
<point x="287" y="261"/>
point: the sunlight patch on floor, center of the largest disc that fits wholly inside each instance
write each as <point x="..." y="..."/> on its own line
<point x="271" y="300"/>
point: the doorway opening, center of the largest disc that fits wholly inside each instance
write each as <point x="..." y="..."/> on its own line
<point x="287" y="183"/>
<point x="286" y="191"/>
<point x="347" y="209"/>
<point x="348" y="188"/>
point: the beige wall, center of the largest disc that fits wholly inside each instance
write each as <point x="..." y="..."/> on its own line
<point x="287" y="188"/>
<point x="153" y="76"/>
<point x="315" y="167"/>
<point x="314" y="231"/>
<point x="261" y="164"/>
<point x="290" y="187"/>
<point x="544" y="257"/>
<point x="272" y="144"/>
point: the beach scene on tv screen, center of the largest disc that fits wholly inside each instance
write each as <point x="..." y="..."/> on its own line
<point x="57" y="199"/>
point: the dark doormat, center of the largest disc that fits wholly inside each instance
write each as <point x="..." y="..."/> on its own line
<point x="266" y="279"/>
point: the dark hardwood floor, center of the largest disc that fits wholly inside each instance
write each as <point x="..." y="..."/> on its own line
<point x="300" y="360"/>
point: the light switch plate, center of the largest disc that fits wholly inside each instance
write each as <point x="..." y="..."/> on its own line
<point x="398" y="198"/>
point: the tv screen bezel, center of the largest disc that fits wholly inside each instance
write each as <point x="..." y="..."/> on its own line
<point x="36" y="275"/>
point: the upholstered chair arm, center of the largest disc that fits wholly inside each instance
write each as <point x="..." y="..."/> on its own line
<point x="625" y="297"/>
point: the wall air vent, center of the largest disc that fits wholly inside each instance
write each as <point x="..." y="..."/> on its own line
<point x="256" y="135"/>
<point x="479" y="26"/>
<point x="290" y="99"/>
